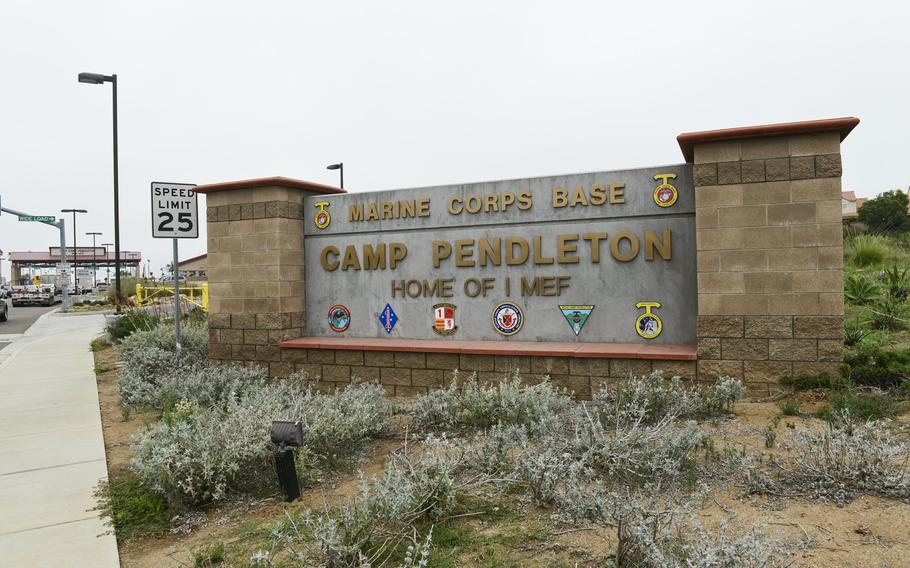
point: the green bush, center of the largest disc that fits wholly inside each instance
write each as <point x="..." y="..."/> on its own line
<point x="886" y="213"/>
<point x="127" y="290"/>
<point x="804" y="381"/>
<point x="860" y="289"/>
<point x="862" y="406"/>
<point x="789" y="406"/>
<point x="897" y="282"/>
<point x="131" y="509"/>
<point x="878" y="367"/>
<point x="868" y="250"/>
<point x="131" y="322"/>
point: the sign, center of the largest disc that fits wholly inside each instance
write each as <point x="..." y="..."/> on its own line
<point x="531" y="256"/>
<point x="40" y="218"/>
<point x="175" y="211"/>
<point x="80" y="251"/>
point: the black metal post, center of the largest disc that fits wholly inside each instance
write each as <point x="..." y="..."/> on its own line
<point x="116" y="200"/>
<point x="341" y="172"/>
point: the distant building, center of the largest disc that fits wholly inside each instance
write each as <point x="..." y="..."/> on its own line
<point x="195" y="269"/>
<point x="850" y="204"/>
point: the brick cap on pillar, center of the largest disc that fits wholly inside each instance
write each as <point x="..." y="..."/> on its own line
<point x="276" y="181"/>
<point x="688" y="140"/>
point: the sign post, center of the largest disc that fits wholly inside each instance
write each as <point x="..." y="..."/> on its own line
<point x="175" y="215"/>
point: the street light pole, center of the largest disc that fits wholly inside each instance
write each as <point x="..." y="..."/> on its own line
<point x="94" y="262"/>
<point x="98" y="79"/>
<point x="340" y="167"/>
<point x="75" y="250"/>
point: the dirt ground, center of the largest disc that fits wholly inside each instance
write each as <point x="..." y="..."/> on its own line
<point x="867" y="532"/>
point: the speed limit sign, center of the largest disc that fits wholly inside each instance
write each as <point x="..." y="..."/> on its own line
<point x="175" y="211"/>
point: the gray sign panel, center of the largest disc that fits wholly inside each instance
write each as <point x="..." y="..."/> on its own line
<point x="609" y="255"/>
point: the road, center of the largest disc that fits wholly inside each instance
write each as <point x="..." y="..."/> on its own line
<point x="20" y="319"/>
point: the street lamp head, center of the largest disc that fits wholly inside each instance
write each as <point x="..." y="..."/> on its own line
<point x="335" y="166"/>
<point x="74" y="211"/>
<point x="93" y="78"/>
<point x="93" y="233"/>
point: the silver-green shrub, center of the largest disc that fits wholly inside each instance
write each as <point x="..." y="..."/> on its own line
<point x="652" y="397"/>
<point x="205" y="385"/>
<point x="198" y="454"/>
<point x="471" y="405"/>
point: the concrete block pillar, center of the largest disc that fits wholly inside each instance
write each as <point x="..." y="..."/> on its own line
<point x="769" y="249"/>
<point x="256" y="267"/>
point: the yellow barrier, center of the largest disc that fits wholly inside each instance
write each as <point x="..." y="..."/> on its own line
<point x="198" y="295"/>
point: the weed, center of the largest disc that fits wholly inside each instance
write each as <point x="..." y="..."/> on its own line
<point x="868" y="250"/>
<point x="208" y="555"/>
<point x="789" y="406"/>
<point x="130" y="322"/>
<point x="877" y="367"/>
<point x="130" y="509"/>
<point x="99" y="344"/>
<point x="770" y="437"/>
<point x="804" y="381"/>
<point x="897" y="282"/>
<point x="101" y="368"/>
<point x="889" y="313"/>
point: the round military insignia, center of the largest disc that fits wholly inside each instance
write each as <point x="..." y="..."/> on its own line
<point x="322" y="217"/>
<point x="507" y="318"/>
<point x="339" y="318"/>
<point x="665" y="194"/>
<point x="648" y="324"/>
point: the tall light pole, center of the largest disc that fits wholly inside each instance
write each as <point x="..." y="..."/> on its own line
<point x="340" y="167"/>
<point x="75" y="250"/>
<point x="107" y="264"/>
<point x="94" y="262"/>
<point x="98" y="79"/>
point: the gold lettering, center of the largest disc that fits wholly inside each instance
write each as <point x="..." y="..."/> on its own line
<point x="473" y="203"/>
<point x="441" y="251"/>
<point x="566" y="244"/>
<point x="327" y="264"/>
<point x="579" y="197"/>
<point x="522" y="256"/>
<point x="508" y="198"/>
<point x="598" y="194"/>
<point x="562" y="282"/>
<point x="414" y="292"/>
<point x="407" y="208"/>
<point x="423" y="207"/>
<point x="350" y="258"/>
<point x="491" y="251"/>
<point x="617" y="193"/>
<point x="595" y="239"/>
<point x="386" y="209"/>
<point x="455" y="206"/>
<point x="397" y="252"/>
<point x="445" y="288"/>
<point x="355" y="212"/>
<point x="560" y="197"/>
<point x="524" y="200"/>
<point x="397" y="286"/>
<point x="491" y="202"/>
<point x="464" y="249"/>
<point x="617" y="251"/>
<point x="373" y="258"/>
<point x="372" y="214"/>
<point x="529" y="288"/>
<point x="664" y="249"/>
<point x="538" y="253"/>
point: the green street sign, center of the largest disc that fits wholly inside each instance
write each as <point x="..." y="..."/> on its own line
<point x="39" y="218"/>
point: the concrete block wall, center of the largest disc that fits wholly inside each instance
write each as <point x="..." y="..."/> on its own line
<point x="410" y="373"/>
<point x="770" y="257"/>
<point x="255" y="270"/>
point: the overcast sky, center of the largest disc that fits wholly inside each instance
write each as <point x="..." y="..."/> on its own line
<point x="417" y="93"/>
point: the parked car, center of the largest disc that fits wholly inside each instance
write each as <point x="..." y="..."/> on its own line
<point x="4" y="310"/>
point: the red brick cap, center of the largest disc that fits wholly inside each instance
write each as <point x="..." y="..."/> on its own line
<point x="268" y="182"/>
<point x="534" y="348"/>
<point x="688" y="140"/>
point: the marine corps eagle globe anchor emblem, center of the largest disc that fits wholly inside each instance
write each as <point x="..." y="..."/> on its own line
<point x="322" y="218"/>
<point x="665" y="194"/>
<point x="648" y="324"/>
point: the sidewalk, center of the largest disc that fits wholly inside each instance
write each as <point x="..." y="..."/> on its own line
<point x="51" y="448"/>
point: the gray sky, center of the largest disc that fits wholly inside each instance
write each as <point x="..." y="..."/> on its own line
<point x="417" y="93"/>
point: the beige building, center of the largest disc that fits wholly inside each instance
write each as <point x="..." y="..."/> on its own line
<point x="195" y="269"/>
<point x="850" y="204"/>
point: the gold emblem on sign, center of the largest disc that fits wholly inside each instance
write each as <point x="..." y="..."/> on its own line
<point x="322" y="218"/>
<point x="665" y="194"/>
<point x="648" y="324"/>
